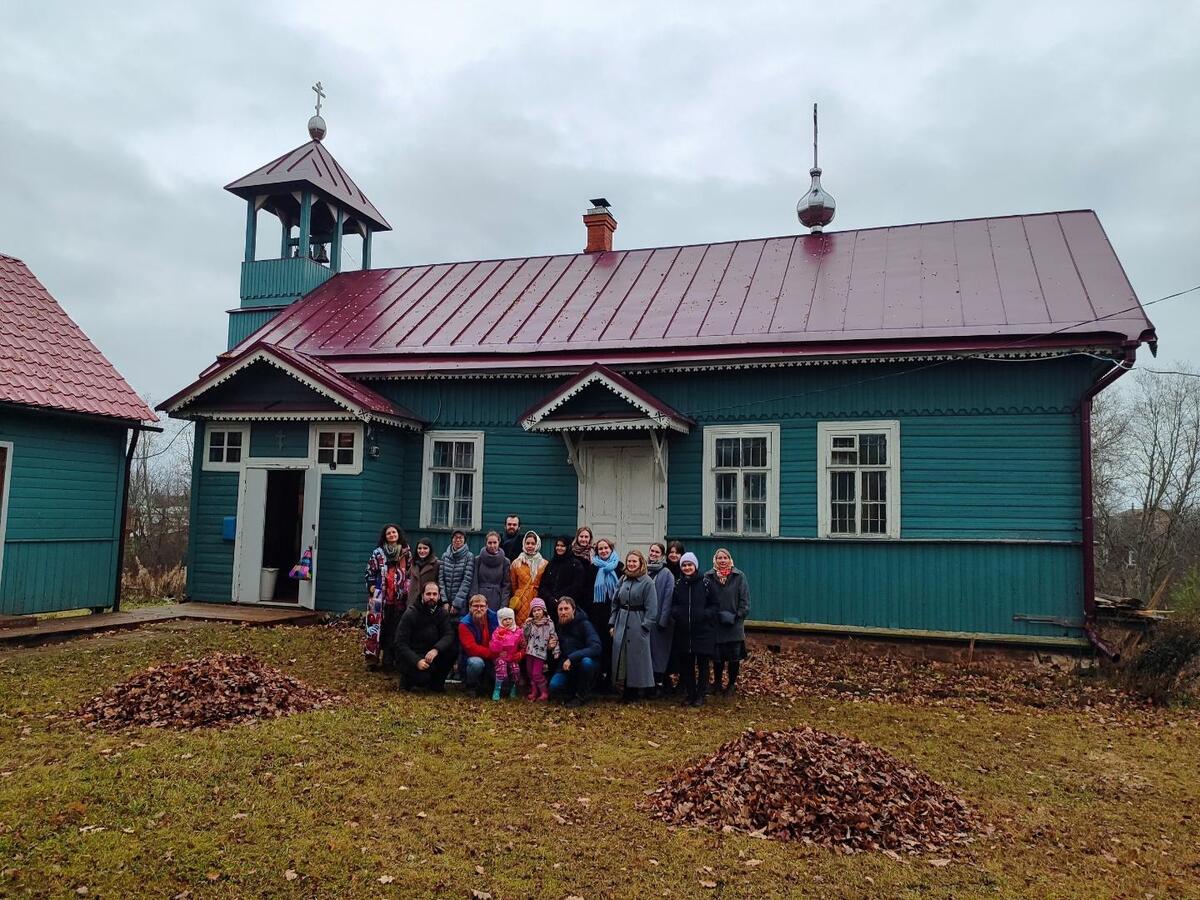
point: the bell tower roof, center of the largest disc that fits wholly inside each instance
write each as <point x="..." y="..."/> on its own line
<point x="310" y="166"/>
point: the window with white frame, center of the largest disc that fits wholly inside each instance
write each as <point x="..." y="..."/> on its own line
<point x="741" y="480"/>
<point x="337" y="448"/>
<point x="453" y="483"/>
<point x="225" y="446"/>
<point x="858" y="482"/>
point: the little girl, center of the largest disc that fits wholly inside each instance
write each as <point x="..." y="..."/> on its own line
<point x="506" y="644"/>
<point x="541" y="642"/>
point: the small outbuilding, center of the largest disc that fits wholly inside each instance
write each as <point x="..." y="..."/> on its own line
<point x="67" y="424"/>
<point x="888" y="427"/>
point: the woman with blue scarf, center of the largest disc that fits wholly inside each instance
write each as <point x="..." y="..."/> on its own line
<point x="608" y="572"/>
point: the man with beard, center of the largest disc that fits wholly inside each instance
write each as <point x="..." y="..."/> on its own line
<point x="426" y="643"/>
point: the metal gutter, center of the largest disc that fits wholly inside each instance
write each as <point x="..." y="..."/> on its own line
<point x="1087" y="506"/>
<point x="137" y="429"/>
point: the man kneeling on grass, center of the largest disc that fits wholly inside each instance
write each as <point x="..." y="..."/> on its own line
<point x="426" y="642"/>
<point x="476" y="657"/>
<point x="578" y="655"/>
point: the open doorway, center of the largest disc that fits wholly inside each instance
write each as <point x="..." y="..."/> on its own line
<point x="282" y="528"/>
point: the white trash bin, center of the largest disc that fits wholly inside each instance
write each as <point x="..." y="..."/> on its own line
<point x="266" y="585"/>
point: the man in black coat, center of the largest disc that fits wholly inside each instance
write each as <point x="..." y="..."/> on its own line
<point x="426" y="642"/>
<point x="578" y="661"/>
<point x="512" y="542"/>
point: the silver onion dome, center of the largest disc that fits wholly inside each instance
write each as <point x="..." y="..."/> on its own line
<point x="316" y="128"/>
<point x="815" y="209"/>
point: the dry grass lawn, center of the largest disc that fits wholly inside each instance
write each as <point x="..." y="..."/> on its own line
<point x="400" y="795"/>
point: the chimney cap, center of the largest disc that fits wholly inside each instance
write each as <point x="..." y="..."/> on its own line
<point x="600" y="203"/>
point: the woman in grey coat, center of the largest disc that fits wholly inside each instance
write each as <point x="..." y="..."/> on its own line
<point x="733" y="606"/>
<point x="663" y="632"/>
<point x="490" y="577"/>
<point x="635" y="611"/>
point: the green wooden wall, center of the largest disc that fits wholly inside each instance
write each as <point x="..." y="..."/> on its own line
<point x="989" y="475"/>
<point x="64" y="507"/>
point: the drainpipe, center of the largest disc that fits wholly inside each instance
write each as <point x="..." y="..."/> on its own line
<point x="1089" y="524"/>
<point x="137" y="429"/>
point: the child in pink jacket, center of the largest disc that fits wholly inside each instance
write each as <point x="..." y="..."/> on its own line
<point x="508" y="645"/>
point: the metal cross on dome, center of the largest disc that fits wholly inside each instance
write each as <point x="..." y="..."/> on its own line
<point x="320" y="92"/>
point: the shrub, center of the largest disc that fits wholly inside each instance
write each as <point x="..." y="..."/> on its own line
<point x="1185" y="595"/>
<point x="1167" y="669"/>
<point x="140" y="583"/>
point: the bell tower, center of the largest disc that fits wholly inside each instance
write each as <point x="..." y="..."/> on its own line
<point x="317" y="206"/>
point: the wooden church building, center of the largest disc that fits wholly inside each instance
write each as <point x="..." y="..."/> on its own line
<point x="66" y="420"/>
<point x="887" y="427"/>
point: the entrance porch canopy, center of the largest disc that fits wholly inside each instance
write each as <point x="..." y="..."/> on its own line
<point x="645" y="412"/>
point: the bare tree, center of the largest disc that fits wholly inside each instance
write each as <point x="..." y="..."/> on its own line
<point x="1161" y="470"/>
<point x="159" y="495"/>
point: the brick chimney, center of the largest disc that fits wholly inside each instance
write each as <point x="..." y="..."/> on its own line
<point x="600" y="227"/>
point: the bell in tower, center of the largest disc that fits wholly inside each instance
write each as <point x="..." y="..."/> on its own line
<point x="317" y="206"/>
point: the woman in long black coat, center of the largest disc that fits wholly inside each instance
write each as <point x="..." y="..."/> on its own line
<point x="564" y="576"/>
<point x="694" y="610"/>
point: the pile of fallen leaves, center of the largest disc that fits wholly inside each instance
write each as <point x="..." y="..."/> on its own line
<point x="219" y="689"/>
<point x="819" y="789"/>
<point x="847" y="674"/>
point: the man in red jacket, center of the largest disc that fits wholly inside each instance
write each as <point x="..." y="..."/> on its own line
<point x="476" y="657"/>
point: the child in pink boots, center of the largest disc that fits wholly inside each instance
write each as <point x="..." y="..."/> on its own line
<point x="507" y="643"/>
<point x="541" y="643"/>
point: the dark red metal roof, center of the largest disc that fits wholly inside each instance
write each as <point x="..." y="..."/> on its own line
<point x="313" y="165"/>
<point x="905" y="288"/>
<point x="47" y="361"/>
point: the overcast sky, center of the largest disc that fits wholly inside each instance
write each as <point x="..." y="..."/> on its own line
<point x="480" y="130"/>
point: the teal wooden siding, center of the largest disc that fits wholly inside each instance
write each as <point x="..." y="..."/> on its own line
<point x="210" y="558"/>
<point x="279" y="440"/>
<point x="989" y="461"/>
<point x="64" y="507"/>
<point x="277" y="282"/>
<point x="243" y="323"/>
<point x="262" y="383"/>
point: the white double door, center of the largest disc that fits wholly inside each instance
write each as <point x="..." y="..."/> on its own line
<point x="251" y="531"/>
<point x="623" y="494"/>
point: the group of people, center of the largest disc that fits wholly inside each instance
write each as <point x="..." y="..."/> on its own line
<point x="512" y="622"/>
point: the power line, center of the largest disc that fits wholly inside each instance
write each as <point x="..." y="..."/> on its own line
<point x="942" y="362"/>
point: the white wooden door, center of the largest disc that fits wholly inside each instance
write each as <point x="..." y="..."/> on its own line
<point x="248" y="543"/>
<point x="308" y="531"/>
<point x="623" y="496"/>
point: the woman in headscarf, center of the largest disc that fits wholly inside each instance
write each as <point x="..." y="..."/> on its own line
<point x="733" y="605"/>
<point x="492" y="578"/>
<point x="583" y="550"/>
<point x="563" y="576"/>
<point x="694" y="609"/>
<point x="634" y="615"/>
<point x="606" y="571"/>
<point x="663" y="630"/>
<point x="526" y="574"/>
<point x="387" y="595"/>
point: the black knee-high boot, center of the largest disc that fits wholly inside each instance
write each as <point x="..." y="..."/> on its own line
<point x="734" y="667"/>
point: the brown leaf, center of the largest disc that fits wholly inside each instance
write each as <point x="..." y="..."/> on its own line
<point x="291" y="874"/>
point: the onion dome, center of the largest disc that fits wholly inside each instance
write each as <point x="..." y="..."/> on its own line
<point x="815" y="209"/>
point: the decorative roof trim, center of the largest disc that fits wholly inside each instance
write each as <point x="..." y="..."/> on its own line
<point x="618" y="424"/>
<point x="658" y="414"/>
<point x="644" y="369"/>
<point x="249" y="416"/>
<point x="174" y="407"/>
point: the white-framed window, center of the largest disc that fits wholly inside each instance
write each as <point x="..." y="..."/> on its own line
<point x="226" y="446"/>
<point x="741" y="480"/>
<point x="337" y="447"/>
<point x="858" y="479"/>
<point x="452" y="488"/>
